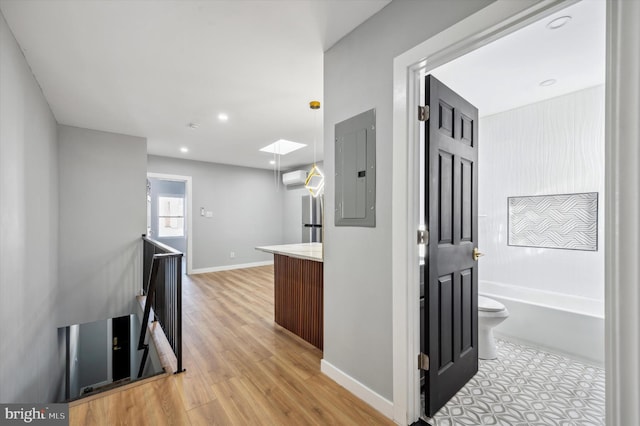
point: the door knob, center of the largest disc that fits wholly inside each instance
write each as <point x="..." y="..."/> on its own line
<point x="477" y="254"/>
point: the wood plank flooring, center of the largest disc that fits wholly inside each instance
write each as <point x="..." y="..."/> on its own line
<point x="242" y="368"/>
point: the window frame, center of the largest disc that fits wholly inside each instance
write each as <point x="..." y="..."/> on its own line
<point x="183" y="216"/>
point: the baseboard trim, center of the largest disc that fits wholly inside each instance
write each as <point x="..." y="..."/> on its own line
<point x="230" y="267"/>
<point x="372" y="398"/>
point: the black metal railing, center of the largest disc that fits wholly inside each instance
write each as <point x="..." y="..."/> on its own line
<point x="162" y="284"/>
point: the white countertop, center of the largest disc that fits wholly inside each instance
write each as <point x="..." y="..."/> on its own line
<point x="308" y="251"/>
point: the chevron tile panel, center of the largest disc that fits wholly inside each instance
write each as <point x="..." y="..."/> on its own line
<point x="564" y="221"/>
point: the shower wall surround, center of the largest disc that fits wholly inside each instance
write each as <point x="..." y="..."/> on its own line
<point x="551" y="147"/>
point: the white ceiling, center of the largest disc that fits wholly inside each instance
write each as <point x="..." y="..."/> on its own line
<point x="506" y="74"/>
<point x="149" y="68"/>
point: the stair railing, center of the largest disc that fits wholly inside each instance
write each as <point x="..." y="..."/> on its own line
<point x="162" y="278"/>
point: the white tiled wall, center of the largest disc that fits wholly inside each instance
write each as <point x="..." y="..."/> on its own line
<point x="551" y="147"/>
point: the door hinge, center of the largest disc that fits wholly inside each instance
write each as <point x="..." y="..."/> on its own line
<point x="423" y="113"/>
<point x="423" y="361"/>
<point x="423" y="236"/>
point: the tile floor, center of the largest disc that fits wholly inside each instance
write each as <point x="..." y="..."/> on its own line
<point x="527" y="386"/>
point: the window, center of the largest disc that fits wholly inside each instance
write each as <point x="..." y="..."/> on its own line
<point x="170" y="217"/>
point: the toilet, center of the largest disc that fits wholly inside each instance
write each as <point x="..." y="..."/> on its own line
<point x="490" y="313"/>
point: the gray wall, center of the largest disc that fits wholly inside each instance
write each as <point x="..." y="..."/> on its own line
<point x="161" y="187"/>
<point x="102" y="216"/>
<point x="28" y="233"/>
<point x="292" y="208"/>
<point x="74" y="371"/>
<point x="93" y="344"/>
<point x="358" y="76"/>
<point x="246" y="206"/>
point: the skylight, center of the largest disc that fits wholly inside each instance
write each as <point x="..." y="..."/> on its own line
<point x="282" y="147"/>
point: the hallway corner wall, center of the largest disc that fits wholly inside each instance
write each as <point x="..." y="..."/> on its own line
<point x="358" y="76"/>
<point x="29" y="369"/>
<point x="102" y="218"/>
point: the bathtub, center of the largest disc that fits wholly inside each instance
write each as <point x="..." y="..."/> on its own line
<point x="560" y="323"/>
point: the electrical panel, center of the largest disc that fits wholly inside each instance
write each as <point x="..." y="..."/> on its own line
<point x="355" y="162"/>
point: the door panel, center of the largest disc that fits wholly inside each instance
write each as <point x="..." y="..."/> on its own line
<point x="445" y="119"/>
<point x="467" y="309"/>
<point x="466" y="178"/>
<point x="446" y="182"/>
<point x="445" y="329"/>
<point x="451" y="313"/>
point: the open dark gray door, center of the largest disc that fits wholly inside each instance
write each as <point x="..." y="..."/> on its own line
<point x="451" y="296"/>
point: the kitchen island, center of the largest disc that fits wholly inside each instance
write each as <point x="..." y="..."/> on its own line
<point x="298" y="289"/>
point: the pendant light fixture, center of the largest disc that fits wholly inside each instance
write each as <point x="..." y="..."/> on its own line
<point x="315" y="178"/>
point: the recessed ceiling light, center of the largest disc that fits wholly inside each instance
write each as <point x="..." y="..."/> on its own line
<point x="549" y="82"/>
<point x="223" y="117"/>
<point x="558" y="22"/>
<point x="272" y="162"/>
<point x="193" y="125"/>
<point x="184" y="149"/>
<point x="282" y="147"/>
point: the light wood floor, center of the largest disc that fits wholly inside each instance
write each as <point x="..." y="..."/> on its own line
<point x="242" y="368"/>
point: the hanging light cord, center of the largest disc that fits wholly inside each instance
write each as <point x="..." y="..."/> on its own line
<point x="315" y="179"/>
<point x="315" y="106"/>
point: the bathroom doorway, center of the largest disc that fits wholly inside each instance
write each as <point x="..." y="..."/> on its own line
<point x="592" y="307"/>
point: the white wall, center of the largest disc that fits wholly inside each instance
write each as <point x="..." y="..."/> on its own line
<point x="102" y="216"/>
<point x="246" y="206"/>
<point x="28" y="233"/>
<point x="550" y="147"/>
<point x="622" y="155"/>
<point x="358" y="76"/>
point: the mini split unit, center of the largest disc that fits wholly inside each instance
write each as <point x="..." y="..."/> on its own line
<point x="297" y="177"/>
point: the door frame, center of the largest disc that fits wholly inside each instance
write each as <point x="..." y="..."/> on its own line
<point x="188" y="194"/>
<point x="622" y="301"/>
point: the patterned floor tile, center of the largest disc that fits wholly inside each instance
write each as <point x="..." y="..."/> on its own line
<point x="525" y="387"/>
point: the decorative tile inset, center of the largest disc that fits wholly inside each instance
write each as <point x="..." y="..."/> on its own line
<point x="564" y="221"/>
<point x="526" y="386"/>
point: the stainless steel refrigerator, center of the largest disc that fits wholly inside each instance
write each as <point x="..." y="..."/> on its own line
<point x="312" y="209"/>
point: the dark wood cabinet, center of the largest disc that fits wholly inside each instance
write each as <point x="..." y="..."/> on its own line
<point x="299" y="297"/>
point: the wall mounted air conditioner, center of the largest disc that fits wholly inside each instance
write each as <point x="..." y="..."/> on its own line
<point x="297" y="177"/>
